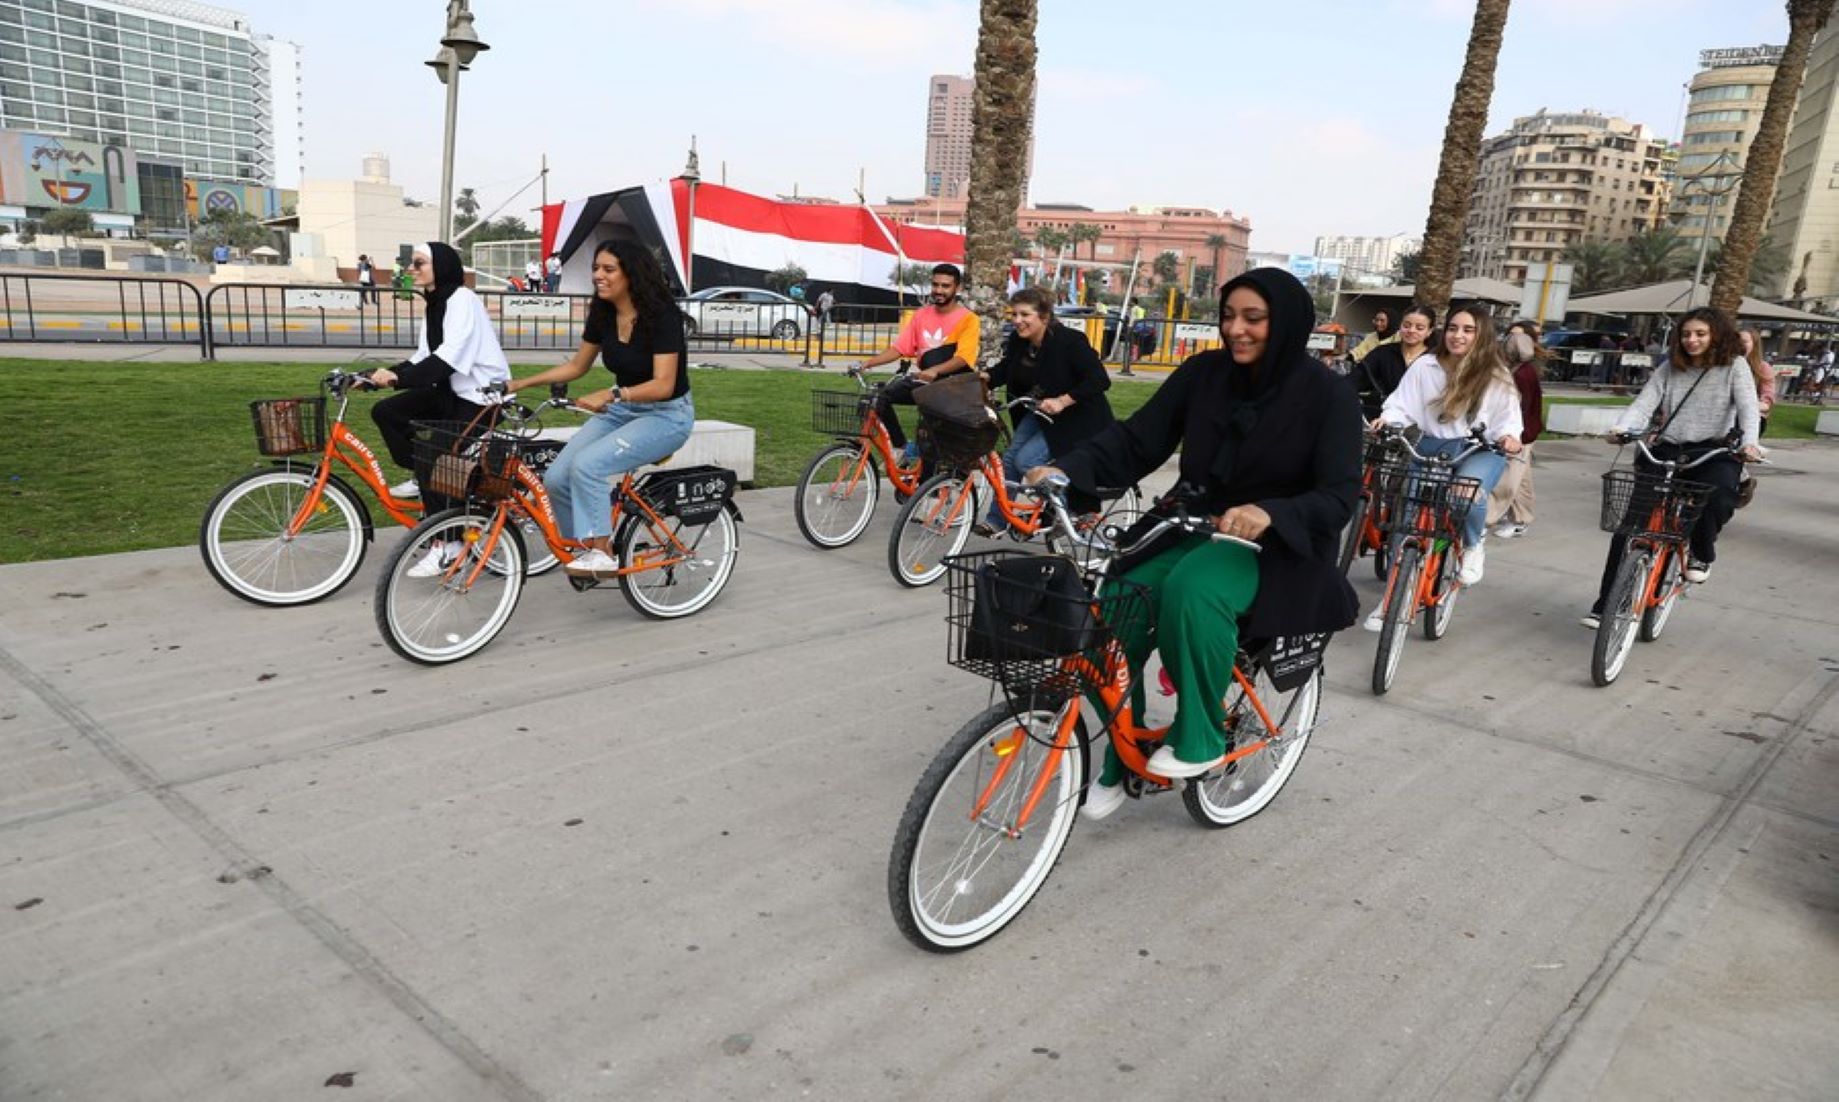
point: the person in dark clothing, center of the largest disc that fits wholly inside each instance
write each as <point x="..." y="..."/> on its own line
<point x="1271" y="441"/>
<point x="1378" y="374"/>
<point x="457" y="356"/>
<point x="1045" y="360"/>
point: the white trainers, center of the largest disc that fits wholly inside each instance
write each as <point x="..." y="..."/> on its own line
<point x="1376" y="620"/>
<point x="1102" y="800"/>
<point x="435" y="563"/>
<point x="1591" y="620"/>
<point x="1474" y="559"/>
<point x="1509" y="531"/>
<point x="1697" y="571"/>
<point x="411" y="488"/>
<point x="1164" y="763"/>
<point x="592" y="563"/>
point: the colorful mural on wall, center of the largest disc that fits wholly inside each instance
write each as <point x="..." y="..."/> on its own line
<point x="42" y="172"/>
<point x="204" y="196"/>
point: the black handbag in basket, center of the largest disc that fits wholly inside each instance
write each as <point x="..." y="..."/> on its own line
<point x="1031" y="607"/>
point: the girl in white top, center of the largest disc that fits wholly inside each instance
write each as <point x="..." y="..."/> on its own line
<point x="1448" y="394"/>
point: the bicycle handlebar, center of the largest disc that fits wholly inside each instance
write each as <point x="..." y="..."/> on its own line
<point x="1054" y="487"/>
<point x="1477" y="437"/>
<point x="1031" y="405"/>
<point x="1647" y="453"/>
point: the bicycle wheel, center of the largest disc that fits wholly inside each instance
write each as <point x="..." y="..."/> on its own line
<point x="1397" y="623"/>
<point x="1382" y="558"/>
<point x="960" y="870"/>
<point x="246" y="547"/>
<point x="539" y="558"/>
<point x="1092" y="544"/>
<point x="1243" y="788"/>
<point x="1615" y="634"/>
<point x="935" y="522"/>
<point x="1668" y="588"/>
<point x="833" y="504"/>
<point x="444" y="618"/>
<point x="1352" y="535"/>
<point x="689" y="581"/>
<point x="1437" y="617"/>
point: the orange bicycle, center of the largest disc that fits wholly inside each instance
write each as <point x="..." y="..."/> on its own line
<point x="937" y="520"/>
<point x="1365" y="532"/>
<point x="297" y="532"/>
<point x="674" y="537"/>
<point x="1654" y="511"/>
<point x="836" y="495"/>
<point x="992" y="813"/>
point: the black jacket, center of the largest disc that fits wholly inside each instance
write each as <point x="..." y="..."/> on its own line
<point x="1067" y="365"/>
<point x="1377" y="376"/>
<point x="1286" y="438"/>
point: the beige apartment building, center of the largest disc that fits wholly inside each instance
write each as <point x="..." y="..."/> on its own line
<point x="949" y="100"/>
<point x="1555" y="180"/>
<point x="1723" y="109"/>
<point x="1805" y="220"/>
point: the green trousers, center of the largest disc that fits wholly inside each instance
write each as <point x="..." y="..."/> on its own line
<point x="1197" y="592"/>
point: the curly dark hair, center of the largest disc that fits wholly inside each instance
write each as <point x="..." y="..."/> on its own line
<point x="1724" y="347"/>
<point x="657" y="308"/>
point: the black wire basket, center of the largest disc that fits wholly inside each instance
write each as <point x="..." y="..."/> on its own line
<point x="458" y="459"/>
<point x="958" y="447"/>
<point x="1032" y="624"/>
<point x="840" y="412"/>
<point x="289" y="426"/>
<point x="1410" y="488"/>
<point x="1641" y="503"/>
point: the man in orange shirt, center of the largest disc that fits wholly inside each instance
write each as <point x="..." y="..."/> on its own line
<point x="942" y="335"/>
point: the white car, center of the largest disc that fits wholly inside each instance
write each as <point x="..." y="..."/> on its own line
<point x="743" y="312"/>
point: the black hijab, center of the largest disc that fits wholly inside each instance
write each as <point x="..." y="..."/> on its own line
<point x="1239" y="393"/>
<point x="449" y="276"/>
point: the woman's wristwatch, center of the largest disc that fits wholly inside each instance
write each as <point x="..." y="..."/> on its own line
<point x="618" y="395"/>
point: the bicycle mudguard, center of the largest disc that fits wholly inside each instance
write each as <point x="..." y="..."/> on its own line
<point x="693" y="494"/>
<point x="370" y="528"/>
<point x="1291" y="660"/>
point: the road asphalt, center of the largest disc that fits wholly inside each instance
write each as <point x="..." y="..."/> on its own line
<point x="250" y="854"/>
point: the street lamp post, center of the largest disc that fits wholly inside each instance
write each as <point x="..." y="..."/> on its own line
<point x="692" y="176"/>
<point x="459" y="46"/>
<point x="1711" y="195"/>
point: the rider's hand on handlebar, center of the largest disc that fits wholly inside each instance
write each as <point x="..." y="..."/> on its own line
<point x="1247" y="522"/>
<point x="595" y="402"/>
<point x="1509" y="444"/>
<point x="1037" y="475"/>
<point x="1055" y="406"/>
<point x="382" y="377"/>
<point x="1750" y="454"/>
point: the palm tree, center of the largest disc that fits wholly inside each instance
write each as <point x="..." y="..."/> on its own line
<point x="1167" y="267"/>
<point x="1000" y="120"/>
<point x="1767" y="267"/>
<point x="1653" y="257"/>
<point x="467" y="204"/>
<point x="1050" y="239"/>
<point x="1216" y="242"/>
<point x="1806" y="18"/>
<point x="1594" y="265"/>
<point x="1468" y="116"/>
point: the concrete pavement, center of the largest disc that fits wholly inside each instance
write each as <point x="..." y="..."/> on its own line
<point x="247" y="853"/>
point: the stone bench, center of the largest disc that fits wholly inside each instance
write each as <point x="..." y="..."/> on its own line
<point x="1827" y="423"/>
<point x="716" y="443"/>
<point x="1575" y="419"/>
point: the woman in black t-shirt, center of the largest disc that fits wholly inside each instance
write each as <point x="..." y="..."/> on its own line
<point x="635" y="328"/>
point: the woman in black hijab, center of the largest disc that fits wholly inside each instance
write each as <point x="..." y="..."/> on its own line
<point x="1270" y="444"/>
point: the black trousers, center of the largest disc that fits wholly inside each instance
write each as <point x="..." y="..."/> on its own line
<point x="899" y="391"/>
<point x="395" y="417"/>
<point x="1702" y="544"/>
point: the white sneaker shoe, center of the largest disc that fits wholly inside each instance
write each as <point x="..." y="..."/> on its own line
<point x="1697" y="571"/>
<point x="1509" y="531"/>
<point x="436" y="561"/>
<point x="1474" y="559"/>
<point x="1591" y="620"/>
<point x="406" y="489"/>
<point x="1102" y="800"/>
<point x="1164" y="763"/>
<point x="593" y="563"/>
<point x="1376" y="620"/>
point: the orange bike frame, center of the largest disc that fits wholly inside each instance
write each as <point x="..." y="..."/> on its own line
<point x="532" y="500"/>
<point x="344" y="446"/>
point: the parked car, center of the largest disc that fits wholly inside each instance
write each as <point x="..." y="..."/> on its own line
<point x="1560" y="343"/>
<point x="743" y="312"/>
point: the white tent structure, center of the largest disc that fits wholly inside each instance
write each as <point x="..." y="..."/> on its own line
<point x="1679" y="295"/>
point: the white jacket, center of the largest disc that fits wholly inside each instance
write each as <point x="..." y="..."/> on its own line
<point x="469" y="345"/>
<point x="1424" y="382"/>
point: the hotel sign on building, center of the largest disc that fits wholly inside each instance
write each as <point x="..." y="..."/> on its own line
<point x="1739" y="56"/>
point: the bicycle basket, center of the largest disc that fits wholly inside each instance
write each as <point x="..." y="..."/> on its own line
<point x="1379" y="449"/>
<point x="460" y="459"/>
<point x="1029" y="622"/>
<point x="695" y="495"/>
<point x="840" y="412"/>
<point x="1641" y="503"/>
<point x="950" y="444"/>
<point x="1411" y="488"/>
<point x="289" y="426"/>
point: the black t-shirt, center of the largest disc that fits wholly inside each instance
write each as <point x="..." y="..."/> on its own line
<point x="630" y="362"/>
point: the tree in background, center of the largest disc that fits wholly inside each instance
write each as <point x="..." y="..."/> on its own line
<point x="1167" y="267"/>
<point x="1767" y="267"/>
<point x="1050" y="240"/>
<point x="238" y="229"/>
<point x="1806" y="18"/>
<point x="1083" y="232"/>
<point x="466" y="209"/>
<point x="1000" y="123"/>
<point x="1405" y="266"/>
<point x="784" y="279"/>
<point x="1468" y="117"/>
<point x="68" y="221"/>
<point x="1594" y="265"/>
<point x="1653" y="257"/>
<point x="1217" y="242"/>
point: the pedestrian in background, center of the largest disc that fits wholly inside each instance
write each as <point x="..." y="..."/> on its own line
<point x="1383" y="333"/>
<point x="552" y="273"/>
<point x="1750" y="341"/>
<point x="1510" y="505"/>
<point x="367" y="279"/>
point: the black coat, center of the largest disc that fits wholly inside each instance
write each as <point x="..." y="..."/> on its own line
<point x="1067" y="365"/>
<point x="1288" y="442"/>
<point x="1377" y="376"/>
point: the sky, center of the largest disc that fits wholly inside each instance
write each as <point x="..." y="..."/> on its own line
<point x="1311" y="117"/>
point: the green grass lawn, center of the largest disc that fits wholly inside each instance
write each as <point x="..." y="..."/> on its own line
<point x="1786" y="422"/>
<point x="123" y="457"/>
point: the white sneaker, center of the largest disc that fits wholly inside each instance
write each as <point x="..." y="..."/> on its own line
<point x="1474" y="559"/>
<point x="1376" y="620"/>
<point x="1697" y="571"/>
<point x="1509" y="531"/>
<point x="593" y="563"/>
<point x="1102" y="800"/>
<point x="1164" y="763"/>
<point x="1591" y="620"/>
<point x="406" y="489"/>
<point x="435" y="563"/>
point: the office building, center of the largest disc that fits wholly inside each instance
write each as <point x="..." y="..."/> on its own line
<point x="949" y="101"/>
<point x="1557" y="180"/>
<point x="1723" y="109"/>
<point x="1805" y="218"/>
<point x="178" y="82"/>
<point x="1367" y="257"/>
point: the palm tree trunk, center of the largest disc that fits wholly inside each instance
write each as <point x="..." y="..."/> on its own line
<point x="1001" y="117"/>
<point x="1468" y="117"/>
<point x="1757" y="191"/>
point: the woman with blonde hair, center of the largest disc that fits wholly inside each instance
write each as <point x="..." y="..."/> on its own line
<point x="1450" y="393"/>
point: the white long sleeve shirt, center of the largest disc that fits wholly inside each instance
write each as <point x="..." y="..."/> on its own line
<point x="1424" y="383"/>
<point x="469" y="345"/>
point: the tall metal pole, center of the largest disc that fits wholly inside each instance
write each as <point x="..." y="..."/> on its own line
<point x="453" y="106"/>
<point x="692" y="174"/>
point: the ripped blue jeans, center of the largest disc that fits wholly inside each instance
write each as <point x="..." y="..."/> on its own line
<point x="622" y="438"/>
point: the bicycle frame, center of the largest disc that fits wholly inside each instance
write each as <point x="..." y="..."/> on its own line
<point x="1424" y="536"/>
<point x="344" y="447"/>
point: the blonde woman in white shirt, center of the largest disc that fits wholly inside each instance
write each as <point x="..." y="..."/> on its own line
<point x="1446" y="395"/>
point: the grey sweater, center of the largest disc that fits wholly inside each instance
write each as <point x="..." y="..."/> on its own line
<point x="1726" y="397"/>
